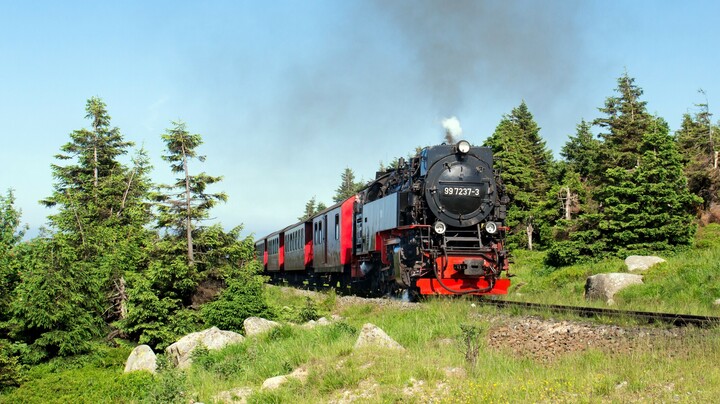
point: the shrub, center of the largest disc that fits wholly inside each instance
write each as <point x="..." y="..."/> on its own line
<point x="170" y="387"/>
<point x="471" y="335"/>
<point x="10" y="367"/>
<point x="308" y="311"/>
<point x="340" y="329"/>
<point x="562" y="253"/>
<point x="154" y="320"/>
<point x="242" y="298"/>
<point x="279" y="333"/>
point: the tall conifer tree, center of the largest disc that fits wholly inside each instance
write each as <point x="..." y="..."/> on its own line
<point x="70" y="276"/>
<point x="524" y="161"/>
<point x="11" y="232"/>
<point x="348" y="186"/>
<point x="187" y="201"/>
<point x="581" y="151"/>
<point x="625" y="123"/>
<point x="699" y="142"/>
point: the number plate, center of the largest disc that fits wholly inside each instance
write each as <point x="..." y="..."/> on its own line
<point x="461" y="191"/>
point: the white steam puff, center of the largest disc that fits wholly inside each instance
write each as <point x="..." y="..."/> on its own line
<point x="453" y="130"/>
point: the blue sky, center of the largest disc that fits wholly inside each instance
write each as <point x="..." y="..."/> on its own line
<point x="286" y="94"/>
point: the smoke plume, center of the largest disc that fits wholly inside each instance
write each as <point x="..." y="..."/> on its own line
<point x="475" y="48"/>
<point x="453" y="130"/>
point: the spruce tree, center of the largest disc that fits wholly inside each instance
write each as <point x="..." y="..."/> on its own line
<point x="625" y="124"/>
<point x="698" y="141"/>
<point x="186" y="202"/>
<point x="665" y="217"/>
<point x="524" y="161"/>
<point x="581" y="151"/>
<point x="57" y="307"/>
<point x="87" y="191"/>
<point x="641" y="165"/>
<point x="348" y="186"/>
<point x="529" y="130"/>
<point x="309" y="209"/>
<point x="11" y="233"/>
<point x="72" y="275"/>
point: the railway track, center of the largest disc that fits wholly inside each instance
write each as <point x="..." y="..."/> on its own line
<point x="677" y="320"/>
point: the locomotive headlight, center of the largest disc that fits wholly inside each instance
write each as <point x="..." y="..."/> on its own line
<point x="439" y="227"/>
<point x="463" y="146"/>
<point x="491" y="227"/>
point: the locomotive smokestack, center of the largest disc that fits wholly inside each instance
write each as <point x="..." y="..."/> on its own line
<point x="453" y="130"/>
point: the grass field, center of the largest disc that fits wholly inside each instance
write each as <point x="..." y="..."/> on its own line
<point x="688" y="283"/>
<point x="447" y="358"/>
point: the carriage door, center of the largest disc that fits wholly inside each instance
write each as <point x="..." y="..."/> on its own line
<point x="324" y="237"/>
<point x="319" y="250"/>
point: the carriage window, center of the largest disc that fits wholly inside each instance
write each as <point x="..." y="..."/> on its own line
<point x="337" y="227"/>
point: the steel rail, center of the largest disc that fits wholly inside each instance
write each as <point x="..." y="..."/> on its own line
<point x="677" y="320"/>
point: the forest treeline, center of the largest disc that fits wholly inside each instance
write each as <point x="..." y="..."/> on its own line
<point x="121" y="256"/>
<point x="125" y="257"/>
<point x="636" y="188"/>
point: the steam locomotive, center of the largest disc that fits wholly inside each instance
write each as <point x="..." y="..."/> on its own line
<point x="432" y="225"/>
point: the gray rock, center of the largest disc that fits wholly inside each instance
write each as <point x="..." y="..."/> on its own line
<point x="277" y="381"/>
<point x="238" y="395"/>
<point x="274" y="382"/>
<point x="372" y="336"/>
<point x="257" y="325"/>
<point x="313" y="323"/>
<point x="604" y="286"/>
<point x="455" y="373"/>
<point x="141" y="358"/>
<point x="641" y="262"/>
<point x="300" y="373"/>
<point x="213" y="339"/>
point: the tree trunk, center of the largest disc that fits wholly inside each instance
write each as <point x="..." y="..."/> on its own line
<point x="188" y="221"/>
<point x="529" y="230"/>
<point x="95" y="163"/>
<point x="122" y="297"/>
